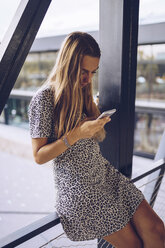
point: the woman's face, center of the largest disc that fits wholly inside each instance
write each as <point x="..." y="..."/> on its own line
<point x="88" y="69"/>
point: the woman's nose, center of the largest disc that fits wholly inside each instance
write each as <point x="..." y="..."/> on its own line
<point x="89" y="77"/>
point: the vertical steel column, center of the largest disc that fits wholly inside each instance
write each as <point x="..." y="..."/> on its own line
<point x="117" y="78"/>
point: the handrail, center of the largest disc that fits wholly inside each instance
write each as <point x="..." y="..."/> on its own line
<point x="20" y="236"/>
<point x="39" y="226"/>
<point x="160" y="164"/>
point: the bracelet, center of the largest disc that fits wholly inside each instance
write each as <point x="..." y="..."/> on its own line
<point x="66" y="141"/>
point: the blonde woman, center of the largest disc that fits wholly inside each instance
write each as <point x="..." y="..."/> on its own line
<point x="94" y="200"/>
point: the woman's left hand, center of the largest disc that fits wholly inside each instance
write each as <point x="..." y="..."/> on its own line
<point x="87" y="129"/>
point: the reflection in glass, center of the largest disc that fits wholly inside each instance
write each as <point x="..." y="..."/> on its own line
<point x="18" y="112"/>
<point x="35" y="70"/>
<point x="149" y="128"/>
<point x="151" y="72"/>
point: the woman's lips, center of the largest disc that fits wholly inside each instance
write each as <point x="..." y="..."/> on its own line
<point x="84" y="84"/>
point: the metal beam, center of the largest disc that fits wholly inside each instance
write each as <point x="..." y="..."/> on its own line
<point x="117" y="78"/>
<point x="47" y="44"/>
<point x="28" y="232"/>
<point x="17" y="43"/>
<point x="151" y="34"/>
<point x="148" y="34"/>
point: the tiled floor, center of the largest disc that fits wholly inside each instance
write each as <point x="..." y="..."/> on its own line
<point x="26" y="192"/>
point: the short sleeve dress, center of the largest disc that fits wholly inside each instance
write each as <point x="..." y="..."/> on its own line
<point x="93" y="198"/>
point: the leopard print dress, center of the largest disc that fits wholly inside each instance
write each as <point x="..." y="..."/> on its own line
<point x="93" y="198"/>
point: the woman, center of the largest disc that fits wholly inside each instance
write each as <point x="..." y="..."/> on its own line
<point x="93" y="199"/>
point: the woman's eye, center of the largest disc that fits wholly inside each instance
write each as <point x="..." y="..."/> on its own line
<point x="83" y="73"/>
<point x="93" y="72"/>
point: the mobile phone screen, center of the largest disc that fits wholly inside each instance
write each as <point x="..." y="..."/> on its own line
<point x="107" y="113"/>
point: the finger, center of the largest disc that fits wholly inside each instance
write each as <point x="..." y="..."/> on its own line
<point x="89" y="118"/>
<point x="106" y="119"/>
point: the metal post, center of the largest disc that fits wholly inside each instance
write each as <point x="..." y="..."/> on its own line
<point x="157" y="186"/>
<point x="117" y="80"/>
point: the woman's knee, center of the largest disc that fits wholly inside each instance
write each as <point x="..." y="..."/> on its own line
<point x="157" y="228"/>
<point x="125" y="243"/>
<point x="147" y="223"/>
<point x="136" y="243"/>
<point x="125" y="238"/>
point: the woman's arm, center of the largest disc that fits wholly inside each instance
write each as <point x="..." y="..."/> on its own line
<point x="44" y="152"/>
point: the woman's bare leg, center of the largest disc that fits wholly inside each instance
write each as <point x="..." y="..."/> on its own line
<point x="149" y="226"/>
<point x="125" y="238"/>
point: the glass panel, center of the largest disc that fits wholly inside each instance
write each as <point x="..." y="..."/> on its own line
<point x="7" y="11"/>
<point x="151" y="11"/>
<point x="158" y="83"/>
<point x="149" y="128"/>
<point x="143" y="72"/>
<point x="60" y="18"/>
<point x="33" y="74"/>
<point x="151" y="72"/>
<point x="35" y="70"/>
<point x="18" y="112"/>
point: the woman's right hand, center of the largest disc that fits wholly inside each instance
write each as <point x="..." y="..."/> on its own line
<point x="87" y="129"/>
<point x="44" y="151"/>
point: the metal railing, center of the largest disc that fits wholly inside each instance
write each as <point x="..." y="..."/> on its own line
<point x="39" y="227"/>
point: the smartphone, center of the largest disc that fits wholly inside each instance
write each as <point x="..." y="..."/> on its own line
<point x="107" y="113"/>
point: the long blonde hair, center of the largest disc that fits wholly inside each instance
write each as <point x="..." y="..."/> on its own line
<point x="71" y="100"/>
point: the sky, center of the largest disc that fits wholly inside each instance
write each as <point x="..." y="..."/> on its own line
<point x="65" y="16"/>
